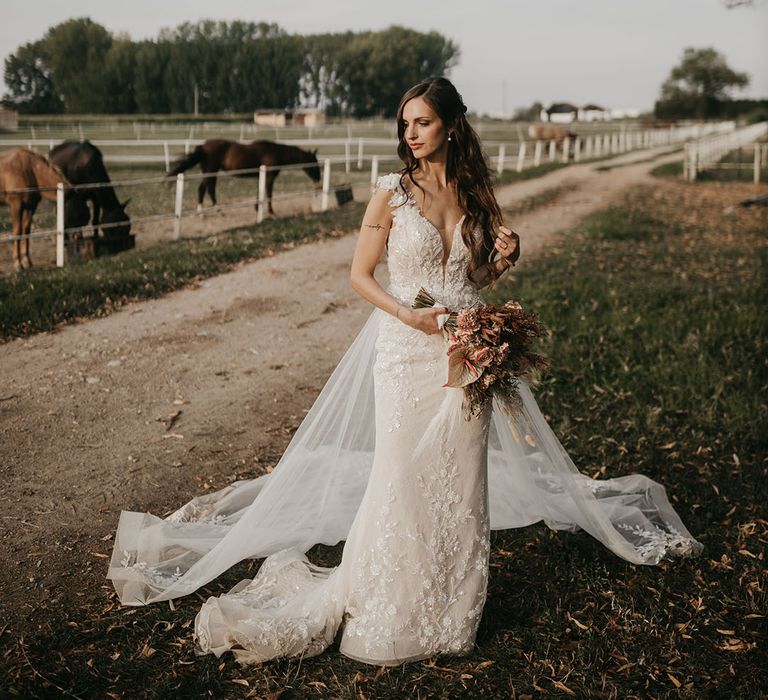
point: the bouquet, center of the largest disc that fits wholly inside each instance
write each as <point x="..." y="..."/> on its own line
<point x="489" y="352"/>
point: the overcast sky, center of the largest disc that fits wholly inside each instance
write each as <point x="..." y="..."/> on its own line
<point x="613" y="52"/>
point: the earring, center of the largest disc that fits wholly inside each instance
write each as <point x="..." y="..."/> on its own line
<point x="449" y="137"/>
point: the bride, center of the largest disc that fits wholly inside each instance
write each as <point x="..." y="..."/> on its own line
<point x="384" y="458"/>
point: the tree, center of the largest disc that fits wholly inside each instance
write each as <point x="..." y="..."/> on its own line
<point x="375" y="68"/>
<point x="30" y="83"/>
<point x="528" y="114"/>
<point x="119" y="73"/>
<point x="76" y="53"/>
<point x="698" y="85"/>
<point x="151" y="61"/>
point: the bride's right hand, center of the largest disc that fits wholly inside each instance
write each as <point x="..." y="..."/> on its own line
<point x="424" y="320"/>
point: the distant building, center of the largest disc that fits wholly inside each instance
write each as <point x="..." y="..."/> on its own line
<point x="565" y="113"/>
<point x="625" y="113"/>
<point x="284" y="117"/>
<point x="594" y="113"/>
<point x="560" y="113"/>
<point x="9" y="119"/>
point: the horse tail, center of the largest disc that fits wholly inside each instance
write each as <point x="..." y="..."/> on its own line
<point x="188" y="161"/>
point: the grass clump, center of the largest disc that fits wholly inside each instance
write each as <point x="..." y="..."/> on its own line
<point x="673" y="169"/>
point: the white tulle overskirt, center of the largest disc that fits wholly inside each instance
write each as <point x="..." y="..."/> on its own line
<point x="385" y="461"/>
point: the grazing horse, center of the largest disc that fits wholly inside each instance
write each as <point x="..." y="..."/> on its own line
<point x="549" y="132"/>
<point x="552" y="132"/>
<point x="82" y="163"/>
<point x="25" y="178"/>
<point x="220" y="154"/>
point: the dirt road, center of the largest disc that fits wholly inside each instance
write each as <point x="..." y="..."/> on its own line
<point x="166" y="398"/>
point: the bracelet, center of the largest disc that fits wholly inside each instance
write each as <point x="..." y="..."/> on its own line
<point x="397" y="313"/>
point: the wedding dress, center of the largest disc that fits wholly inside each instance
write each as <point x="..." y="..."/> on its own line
<point x="385" y="460"/>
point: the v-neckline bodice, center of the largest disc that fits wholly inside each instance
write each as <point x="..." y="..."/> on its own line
<point x="446" y="254"/>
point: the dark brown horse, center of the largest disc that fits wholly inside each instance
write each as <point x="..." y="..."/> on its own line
<point x="83" y="164"/>
<point x="220" y="154"/>
<point x="26" y="178"/>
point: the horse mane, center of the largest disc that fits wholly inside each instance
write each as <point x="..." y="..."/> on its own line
<point x="53" y="167"/>
<point x="44" y="161"/>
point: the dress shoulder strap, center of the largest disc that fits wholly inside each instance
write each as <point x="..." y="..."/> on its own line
<point x="391" y="182"/>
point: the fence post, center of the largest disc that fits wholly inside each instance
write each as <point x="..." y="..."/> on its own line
<point x="262" y="193"/>
<point x="521" y="157"/>
<point x="502" y="157"/>
<point x="552" y="147"/>
<point x="167" y="155"/>
<point x="360" y="153"/>
<point x="537" y="154"/>
<point x="757" y="164"/>
<point x="60" y="224"/>
<point x="577" y="150"/>
<point x="374" y="172"/>
<point x="177" y="208"/>
<point x="326" y="184"/>
<point x="347" y="156"/>
<point x="566" y="148"/>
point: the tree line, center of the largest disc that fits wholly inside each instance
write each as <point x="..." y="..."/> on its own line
<point x="79" y="67"/>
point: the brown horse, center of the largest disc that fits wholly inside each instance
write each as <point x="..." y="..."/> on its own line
<point x="220" y="154"/>
<point x="82" y="163"/>
<point x="25" y="178"/>
<point x="550" y="132"/>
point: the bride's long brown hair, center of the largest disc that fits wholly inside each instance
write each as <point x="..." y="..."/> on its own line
<point x="466" y="166"/>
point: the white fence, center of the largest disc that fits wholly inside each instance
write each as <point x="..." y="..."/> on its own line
<point x="182" y="181"/>
<point x="505" y="154"/>
<point x="150" y="151"/>
<point x="706" y="153"/>
<point x="531" y="153"/>
<point x="353" y="159"/>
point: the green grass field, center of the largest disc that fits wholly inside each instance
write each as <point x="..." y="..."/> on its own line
<point x="659" y="339"/>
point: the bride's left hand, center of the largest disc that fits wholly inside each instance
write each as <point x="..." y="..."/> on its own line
<point x="508" y="244"/>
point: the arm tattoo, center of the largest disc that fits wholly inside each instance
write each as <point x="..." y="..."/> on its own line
<point x="377" y="227"/>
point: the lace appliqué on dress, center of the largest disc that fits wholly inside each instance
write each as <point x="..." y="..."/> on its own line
<point x="439" y="562"/>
